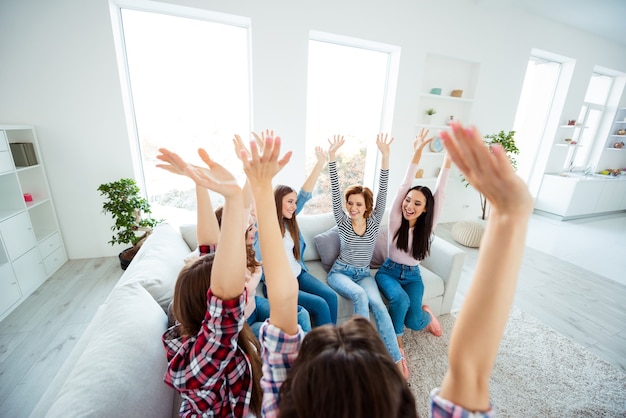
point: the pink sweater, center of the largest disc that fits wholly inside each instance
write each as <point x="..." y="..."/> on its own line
<point x="395" y="214"/>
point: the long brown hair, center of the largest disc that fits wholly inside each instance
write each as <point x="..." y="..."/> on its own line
<point x="345" y="371"/>
<point x="190" y="307"/>
<point x="281" y="191"/>
<point x="251" y="262"/>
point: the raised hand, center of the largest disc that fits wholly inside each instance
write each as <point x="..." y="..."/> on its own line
<point x="488" y="170"/>
<point x="173" y="162"/>
<point x="261" y="167"/>
<point x="335" y="144"/>
<point x="260" y="140"/>
<point x="239" y="144"/>
<point x="320" y="154"/>
<point x="213" y="177"/>
<point x="420" y="140"/>
<point x="383" y="143"/>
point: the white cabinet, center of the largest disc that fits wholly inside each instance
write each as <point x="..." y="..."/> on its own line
<point x="580" y="196"/>
<point x="9" y="289"/>
<point x="29" y="271"/>
<point x="586" y="195"/>
<point x="31" y="246"/>
<point x="17" y="235"/>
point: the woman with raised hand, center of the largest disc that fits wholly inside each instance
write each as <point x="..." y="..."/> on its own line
<point x="213" y="357"/>
<point x="346" y="371"/>
<point x="337" y="371"/>
<point x="314" y="295"/>
<point x="350" y="275"/>
<point x="480" y="325"/>
<point x="412" y="219"/>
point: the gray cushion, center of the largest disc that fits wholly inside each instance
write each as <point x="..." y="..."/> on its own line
<point x="157" y="264"/>
<point x="327" y="244"/>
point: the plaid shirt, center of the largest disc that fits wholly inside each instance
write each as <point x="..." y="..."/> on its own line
<point x="209" y="370"/>
<point x="278" y="351"/>
<point x="442" y="408"/>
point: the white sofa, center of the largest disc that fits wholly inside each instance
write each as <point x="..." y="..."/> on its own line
<point x="117" y="366"/>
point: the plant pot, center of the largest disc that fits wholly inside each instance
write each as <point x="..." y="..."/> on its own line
<point x="126" y="257"/>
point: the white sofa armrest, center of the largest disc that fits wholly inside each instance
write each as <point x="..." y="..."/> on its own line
<point x="446" y="261"/>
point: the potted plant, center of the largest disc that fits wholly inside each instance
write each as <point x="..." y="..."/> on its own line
<point x="429" y="114"/>
<point x="131" y="212"/>
<point x="507" y="141"/>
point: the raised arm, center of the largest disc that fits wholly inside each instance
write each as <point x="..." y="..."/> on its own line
<point x="310" y="181"/>
<point x="282" y="286"/>
<point x="395" y="214"/>
<point x="473" y="347"/>
<point x="384" y="146"/>
<point x="229" y="266"/>
<point x="335" y="144"/>
<point x="207" y="227"/>
<point x="439" y="194"/>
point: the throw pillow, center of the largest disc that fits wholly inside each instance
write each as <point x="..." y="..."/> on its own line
<point x="380" y="249"/>
<point x="327" y="244"/>
<point x="157" y="264"/>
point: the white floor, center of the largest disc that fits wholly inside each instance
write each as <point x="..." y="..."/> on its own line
<point x="597" y="244"/>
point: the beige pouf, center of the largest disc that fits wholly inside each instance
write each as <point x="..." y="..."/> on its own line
<point x="468" y="233"/>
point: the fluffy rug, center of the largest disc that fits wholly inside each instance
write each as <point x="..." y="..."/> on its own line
<point x="538" y="372"/>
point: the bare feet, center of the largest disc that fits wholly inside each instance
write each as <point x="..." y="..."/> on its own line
<point x="434" y="327"/>
<point x="403" y="365"/>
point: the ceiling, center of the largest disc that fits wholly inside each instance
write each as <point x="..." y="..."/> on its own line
<point x="604" y="18"/>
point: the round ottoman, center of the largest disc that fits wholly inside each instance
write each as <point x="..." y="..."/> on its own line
<point x="468" y="233"/>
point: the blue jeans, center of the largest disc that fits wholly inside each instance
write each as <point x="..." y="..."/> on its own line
<point x="404" y="289"/>
<point x="357" y="284"/>
<point x="262" y="312"/>
<point x="319" y="299"/>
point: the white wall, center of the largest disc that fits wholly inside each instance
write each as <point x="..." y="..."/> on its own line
<point x="58" y="72"/>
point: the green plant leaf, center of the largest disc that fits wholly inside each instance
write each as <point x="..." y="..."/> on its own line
<point x="129" y="209"/>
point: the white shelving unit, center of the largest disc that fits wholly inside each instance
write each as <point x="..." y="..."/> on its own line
<point x="447" y="74"/>
<point x="31" y="246"/>
<point x="614" y="137"/>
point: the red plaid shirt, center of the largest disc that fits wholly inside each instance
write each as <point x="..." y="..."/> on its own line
<point x="209" y="370"/>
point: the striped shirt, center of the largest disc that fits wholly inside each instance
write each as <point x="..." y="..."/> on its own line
<point x="357" y="250"/>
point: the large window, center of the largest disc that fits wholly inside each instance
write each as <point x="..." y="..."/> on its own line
<point x="589" y="118"/>
<point x="187" y="74"/>
<point x="542" y="76"/>
<point x="351" y="84"/>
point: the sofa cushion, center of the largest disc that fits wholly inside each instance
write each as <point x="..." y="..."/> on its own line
<point x="157" y="264"/>
<point x="188" y="231"/>
<point x="120" y="372"/>
<point x="327" y="244"/>
<point x="380" y="249"/>
<point x="310" y="226"/>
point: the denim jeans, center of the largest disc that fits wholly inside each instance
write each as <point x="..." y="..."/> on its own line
<point x="357" y="284"/>
<point x="404" y="289"/>
<point x="262" y="312"/>
<point x="318" y="298"/>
